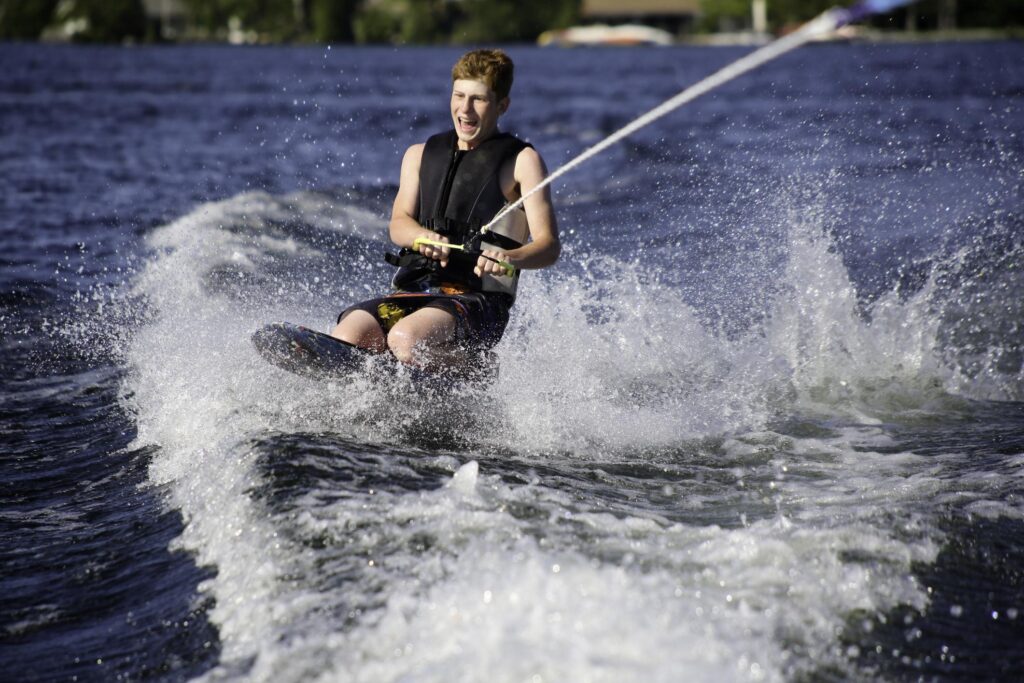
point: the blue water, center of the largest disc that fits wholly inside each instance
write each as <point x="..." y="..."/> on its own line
<point x="764" y="421"/>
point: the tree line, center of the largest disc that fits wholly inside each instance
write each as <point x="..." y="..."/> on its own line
<point x="420" y="21"/>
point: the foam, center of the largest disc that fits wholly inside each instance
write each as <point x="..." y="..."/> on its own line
<point x="604" y="366"/>
<point x="493" y="601"/>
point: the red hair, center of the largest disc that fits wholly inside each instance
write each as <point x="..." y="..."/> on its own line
<point x="491" y="67"/>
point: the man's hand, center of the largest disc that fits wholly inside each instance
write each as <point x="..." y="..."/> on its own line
<point x="432" y="251"/>
<point x="493" y="262"/>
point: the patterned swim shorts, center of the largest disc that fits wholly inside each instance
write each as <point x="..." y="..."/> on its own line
<point x="481" y="316"/>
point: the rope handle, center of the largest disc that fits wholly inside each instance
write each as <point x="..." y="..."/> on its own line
<point x="509" y="269"/>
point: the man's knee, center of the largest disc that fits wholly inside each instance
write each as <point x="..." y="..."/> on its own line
<point x="403" y="344"/>
<point x="361" y="329"/>
<point x="414" y="338"/>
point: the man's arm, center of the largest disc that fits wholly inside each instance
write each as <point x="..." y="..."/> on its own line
<point x="544" y="247"/>
<point x="404" y="227"/>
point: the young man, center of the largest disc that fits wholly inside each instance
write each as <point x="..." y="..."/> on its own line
<point x="448" y="302"/>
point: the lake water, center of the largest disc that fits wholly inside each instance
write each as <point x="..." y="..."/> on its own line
<point x="764" y="421"/>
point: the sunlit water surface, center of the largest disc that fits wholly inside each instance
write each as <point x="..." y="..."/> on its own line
<point x="763" y="421"/>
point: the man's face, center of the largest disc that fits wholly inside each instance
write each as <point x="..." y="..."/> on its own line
<point x="475" y="111"/>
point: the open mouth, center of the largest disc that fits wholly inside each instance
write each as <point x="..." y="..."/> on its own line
<point x="467" y="126"/>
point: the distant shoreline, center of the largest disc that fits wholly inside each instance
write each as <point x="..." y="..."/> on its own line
<point x="739" y="39"/>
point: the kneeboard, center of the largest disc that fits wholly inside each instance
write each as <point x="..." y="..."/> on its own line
<point x="307" y="352"/>
<point x="319" y="356"/>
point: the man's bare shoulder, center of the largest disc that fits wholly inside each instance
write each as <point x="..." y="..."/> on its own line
<point x="529" y="155"/>
<point x="414" y="154"/>
<point x="530" y="165"/>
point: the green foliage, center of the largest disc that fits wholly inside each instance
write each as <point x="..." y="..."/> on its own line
<point x="966" y="13"/>
<point x="424" y="21"/>
<point x="25" y="19"/>
<point x="724" y="15"/>
<point x="499" y="21"/>
<point x="332" y="20"/>
<point x="789" y="13"/>
<point x="493" y="21"/>
<point x="105" y="21"/>
<point x="736" y="15"/>
<point x="376" y="25"/>
<point x="468" y="21"/>
<point x="272" y="20"/>
<point x="437" y="21"/>
<point x="403" y="21"/>
<point x="212" y="16"/>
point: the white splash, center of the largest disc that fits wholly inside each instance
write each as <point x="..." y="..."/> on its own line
<point x="481" y="578"/>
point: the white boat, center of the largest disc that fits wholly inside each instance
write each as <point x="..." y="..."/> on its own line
<point x="602" y="34"/>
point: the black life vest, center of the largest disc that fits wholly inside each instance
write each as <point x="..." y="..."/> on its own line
<point x="460" y="191"/>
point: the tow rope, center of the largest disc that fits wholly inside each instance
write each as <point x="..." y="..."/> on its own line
<point x="824" y="24"/>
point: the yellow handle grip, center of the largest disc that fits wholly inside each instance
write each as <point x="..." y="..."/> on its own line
<point x="509" y="269"/>
<point x="434" y="243"/>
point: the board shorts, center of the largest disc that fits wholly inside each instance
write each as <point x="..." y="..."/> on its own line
<point x="481" y="317"/>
